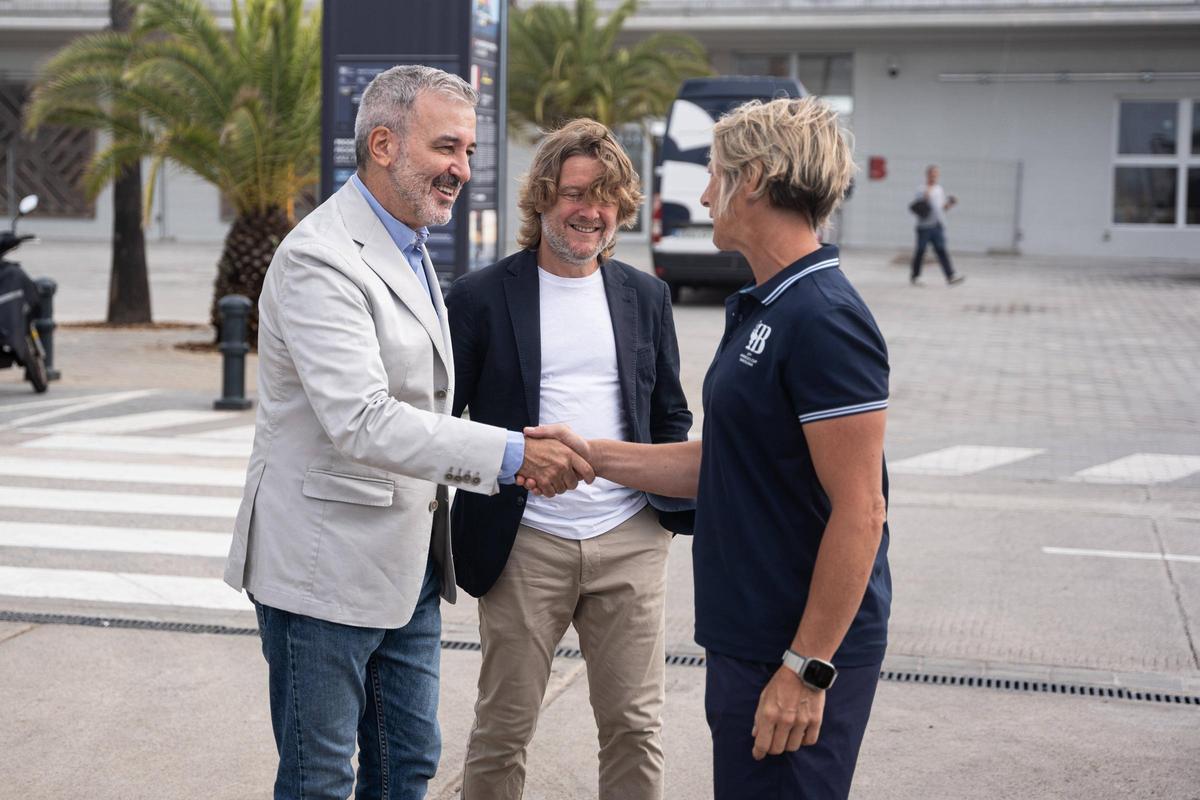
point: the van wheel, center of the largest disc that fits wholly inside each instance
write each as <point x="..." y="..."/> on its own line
<point x="676" y="291"/>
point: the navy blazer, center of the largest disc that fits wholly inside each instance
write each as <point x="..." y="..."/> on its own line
<point x="495" y="327"/>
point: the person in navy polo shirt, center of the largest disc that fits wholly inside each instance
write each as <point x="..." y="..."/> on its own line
<point x="792" y="583"/>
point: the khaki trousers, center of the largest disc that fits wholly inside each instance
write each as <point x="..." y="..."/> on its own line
<point x="613" y="588"/>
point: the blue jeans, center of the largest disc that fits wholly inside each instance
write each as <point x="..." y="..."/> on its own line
<point x="817" y="772"/>
<point x="935" y="235"/>
<point x="332" y="685"/>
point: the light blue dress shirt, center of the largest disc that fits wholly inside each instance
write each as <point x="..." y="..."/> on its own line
<point x="412" y="246"/>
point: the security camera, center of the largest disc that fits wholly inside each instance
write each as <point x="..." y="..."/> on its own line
<point x="893" y="69"/>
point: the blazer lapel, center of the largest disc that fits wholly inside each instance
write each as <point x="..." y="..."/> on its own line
<point x="523" y="296"/>
<point x="623" y="308"/>
<point x="385" y="259"/>
<point x="439" y="305"/>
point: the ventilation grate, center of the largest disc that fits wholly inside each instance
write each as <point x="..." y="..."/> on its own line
<point x="1006" y="308"/>
<point x="1041" y="687"/>
<point x="132" y="624"/>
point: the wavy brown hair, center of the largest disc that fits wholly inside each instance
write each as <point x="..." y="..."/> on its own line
<point x="619" y="183"/>
<point x="795" y="151"/>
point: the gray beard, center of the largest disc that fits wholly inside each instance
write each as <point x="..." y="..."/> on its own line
<point x="414" y="192"/>
<point x="561" y="248"/>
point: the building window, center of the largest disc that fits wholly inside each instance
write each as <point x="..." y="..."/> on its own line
<point x="830" y="75"/>
<point x="1193" y="196"/>
<point x="776" y="65"/>
<point x="1146" y="195"/>
<point x="50" y="164"/>
<point x="1156" y="175"/>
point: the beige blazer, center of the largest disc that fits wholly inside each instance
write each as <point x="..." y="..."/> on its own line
<point x="353" y="433"/>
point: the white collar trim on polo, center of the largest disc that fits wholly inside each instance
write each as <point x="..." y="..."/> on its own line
<point x="781" y="288"/>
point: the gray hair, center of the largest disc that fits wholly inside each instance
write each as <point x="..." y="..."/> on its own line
<point x="389" y="97"/>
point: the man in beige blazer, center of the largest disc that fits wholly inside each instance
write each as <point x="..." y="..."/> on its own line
<point x="342" y="539"/>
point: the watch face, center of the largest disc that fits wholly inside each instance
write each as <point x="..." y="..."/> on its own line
<point x="819" y="674"/>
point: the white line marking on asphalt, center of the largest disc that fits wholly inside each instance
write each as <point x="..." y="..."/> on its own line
<point x="962" y="460"/>
<point x="121" y="472"/>
<point x="85" y="404"/>
<point x="242" y="433"/>
<point x="143" y="445"/>
<point x="119" y="502"/>
<point x="1072" y="551"/>
<point x="1141" y="468"/>
<point x="132" y="423"/>
<point x="54" y="536"/>
<point x="120" y="587"/>
<point x="49" y="402"/>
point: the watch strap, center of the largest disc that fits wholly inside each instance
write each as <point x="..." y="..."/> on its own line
<point x="799" y="664"/>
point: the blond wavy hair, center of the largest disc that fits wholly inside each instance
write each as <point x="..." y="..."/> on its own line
<point x="618" y="183"/>
<point x="794" y="151"/>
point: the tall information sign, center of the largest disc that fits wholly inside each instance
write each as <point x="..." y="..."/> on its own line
<point x="465" y="37"/>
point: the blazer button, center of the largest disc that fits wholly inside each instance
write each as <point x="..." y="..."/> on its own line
<point x="432" y="506"/>
<point x="449" y="476"/>
<point x="475" y="481"/>
<point x="440" y="394"/>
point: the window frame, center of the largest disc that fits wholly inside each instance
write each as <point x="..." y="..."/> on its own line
<point x="793" y="70"/>
<point x="1182" y="160"/>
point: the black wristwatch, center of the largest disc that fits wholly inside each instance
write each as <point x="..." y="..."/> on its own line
<point x="816" y="673"/>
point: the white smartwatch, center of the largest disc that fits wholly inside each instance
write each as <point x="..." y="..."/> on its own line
<point x="815" y="673"/>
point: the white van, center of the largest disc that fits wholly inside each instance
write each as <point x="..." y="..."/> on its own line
<point x="681" y="236"/>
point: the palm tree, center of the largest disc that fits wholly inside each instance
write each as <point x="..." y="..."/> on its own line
<point x="242" y="111"/>
<point x="128" y="283"/>
<point x="565" y="64"/>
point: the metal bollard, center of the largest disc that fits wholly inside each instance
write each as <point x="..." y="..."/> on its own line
<point x="45" y="323"/>
<point x="234" y="308"/>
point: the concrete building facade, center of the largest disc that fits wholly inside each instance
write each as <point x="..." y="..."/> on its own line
<point x="1062" y="126"/>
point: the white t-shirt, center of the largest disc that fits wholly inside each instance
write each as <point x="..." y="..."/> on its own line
<point x="580" y="387"/>
<point x="937" y="205"/>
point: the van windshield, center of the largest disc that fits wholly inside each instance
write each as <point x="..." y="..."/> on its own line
<point x="689" y="130"/>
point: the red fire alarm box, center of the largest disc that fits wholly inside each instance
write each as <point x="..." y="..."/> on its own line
<point x="877" y="168"/>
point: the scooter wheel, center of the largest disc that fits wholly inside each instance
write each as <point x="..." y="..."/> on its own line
<point x="35" y="368"/>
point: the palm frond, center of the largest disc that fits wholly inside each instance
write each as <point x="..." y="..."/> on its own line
<point x="565" y="63"/>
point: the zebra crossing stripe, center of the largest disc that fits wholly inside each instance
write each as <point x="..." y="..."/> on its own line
<point x="118" y="502"/>
<point x="84" y="404"/>
<point x="143" y="445"/>
<point x="120" y="587"/>
<point x="121" y="472"/>
<point x="240" y="433"/>
<point x="134" y="423"/>
<point x="1141" y="468"/>
<point x="55" y="536"/>
<point x="1128" y="554"/>
<point x="962" y="460"/>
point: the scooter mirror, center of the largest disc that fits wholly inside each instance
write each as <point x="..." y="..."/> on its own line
<point x="27" y="205"/>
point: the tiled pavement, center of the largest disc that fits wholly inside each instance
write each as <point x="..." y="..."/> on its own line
<point x="1044" y="436"/>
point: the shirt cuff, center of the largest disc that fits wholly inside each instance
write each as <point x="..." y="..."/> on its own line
<point x="514" y="456"/>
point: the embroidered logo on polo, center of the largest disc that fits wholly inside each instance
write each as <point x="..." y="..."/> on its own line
<point x="756" y="344"/>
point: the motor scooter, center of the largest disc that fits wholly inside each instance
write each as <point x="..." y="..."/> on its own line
<point x="20" y="306"/>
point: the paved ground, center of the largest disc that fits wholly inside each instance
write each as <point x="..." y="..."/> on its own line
<point x="1044" y="447"/>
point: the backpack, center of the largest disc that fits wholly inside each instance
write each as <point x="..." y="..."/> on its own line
<point x="920" y="207"/>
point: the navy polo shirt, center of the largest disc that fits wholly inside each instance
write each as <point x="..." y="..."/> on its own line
<point x="798" y="349"/>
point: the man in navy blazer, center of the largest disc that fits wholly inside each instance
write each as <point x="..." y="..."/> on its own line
<point x="561" y="332"/>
